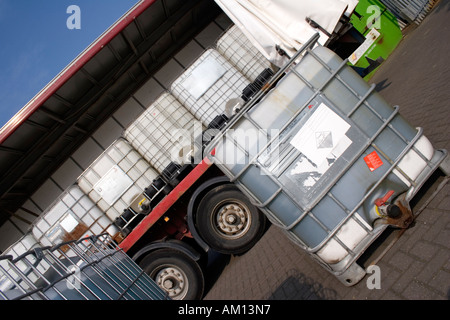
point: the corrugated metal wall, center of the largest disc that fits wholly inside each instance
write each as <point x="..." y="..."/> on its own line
<point x="410" y="10"/>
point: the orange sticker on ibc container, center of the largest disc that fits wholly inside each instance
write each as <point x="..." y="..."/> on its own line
<point x="373" y="161"/>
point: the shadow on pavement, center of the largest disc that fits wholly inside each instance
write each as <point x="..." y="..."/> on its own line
<point x="300" y="287"/>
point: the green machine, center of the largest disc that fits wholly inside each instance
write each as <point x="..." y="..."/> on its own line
<point x="381" y="35"/>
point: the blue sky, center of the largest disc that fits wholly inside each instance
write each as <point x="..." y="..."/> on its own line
<point x="36" y="44"/>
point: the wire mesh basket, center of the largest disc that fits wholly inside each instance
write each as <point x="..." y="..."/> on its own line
<point x="93" y="268"/>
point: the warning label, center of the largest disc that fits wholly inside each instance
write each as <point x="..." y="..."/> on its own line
<point x="321" y="141"/>
<point x="373" y="161"/>
<point x="322" y="137"/>
<point x="324" y="140"/>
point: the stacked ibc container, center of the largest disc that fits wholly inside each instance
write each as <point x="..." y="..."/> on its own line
<point x="131" y="176"/>
<point x="164" y="139"/>
<point x="167" y="133"/>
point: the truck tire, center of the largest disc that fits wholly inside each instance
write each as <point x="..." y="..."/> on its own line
<point x="176" y="273"/>
<point x="227" y="221"/>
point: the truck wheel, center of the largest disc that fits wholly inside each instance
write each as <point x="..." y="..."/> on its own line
<point x="176" y="273"/>
<point x="227" y="221"/>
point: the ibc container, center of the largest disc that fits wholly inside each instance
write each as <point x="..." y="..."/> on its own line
<point x="73" y="215"/>
<point x="207" y="85"/>
<point x="236" y="47"/>
<point x="18" y="248"/>
<point x="117" y="178"/>
<point x="96" y="269"/>
<point x="165" y="132"/>
<point x="327" y="160"/>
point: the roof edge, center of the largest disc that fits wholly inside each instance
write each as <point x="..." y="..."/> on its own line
<point x="85" y="56"/>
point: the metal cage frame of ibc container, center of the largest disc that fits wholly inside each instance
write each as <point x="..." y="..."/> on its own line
<point x="131" y="163"/>
<point x="165" y="141"/>
<point x="92" y="268"/>
<point x="347" y="270"/>
<point x="72" y="205"/>
<point x="241" y="53"/>
<point x="209" y="99"/>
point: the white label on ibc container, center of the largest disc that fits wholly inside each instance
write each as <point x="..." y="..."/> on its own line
<point x="322" y="140"/>
<point x="203" y="77"/>
<point x="69" y="223"/>
<point x="361" y="50"/>
<point x="113" y="185"/>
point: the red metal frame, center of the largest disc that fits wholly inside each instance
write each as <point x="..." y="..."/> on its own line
<point x="15" y="122"/>
<point x="165" y="204"/>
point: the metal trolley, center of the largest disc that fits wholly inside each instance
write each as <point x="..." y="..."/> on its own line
<point x="93" y="268"/>
<point x="326" y="159"/>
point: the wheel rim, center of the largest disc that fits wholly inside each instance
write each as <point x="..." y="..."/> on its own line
<point x="231" y="219"/>
<point x="173" y="280"/>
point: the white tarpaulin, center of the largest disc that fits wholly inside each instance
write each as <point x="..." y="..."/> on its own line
<point x="268" y="23"/>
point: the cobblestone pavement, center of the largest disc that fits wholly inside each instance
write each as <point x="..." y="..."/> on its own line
<point x="417" y="266"/>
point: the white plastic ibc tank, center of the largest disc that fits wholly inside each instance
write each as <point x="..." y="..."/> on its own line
<point x="18" y="248"/>
<point x="236" y="47"/>
<point x="207" y="85"/>
<point x="72" y="216"/>
<point x="318" y="151"/>
<point x="164" y="133"/>
<point x="116" y="178"/>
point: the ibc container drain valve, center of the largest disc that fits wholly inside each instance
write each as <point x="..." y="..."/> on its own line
<point x="397" y="214"/>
